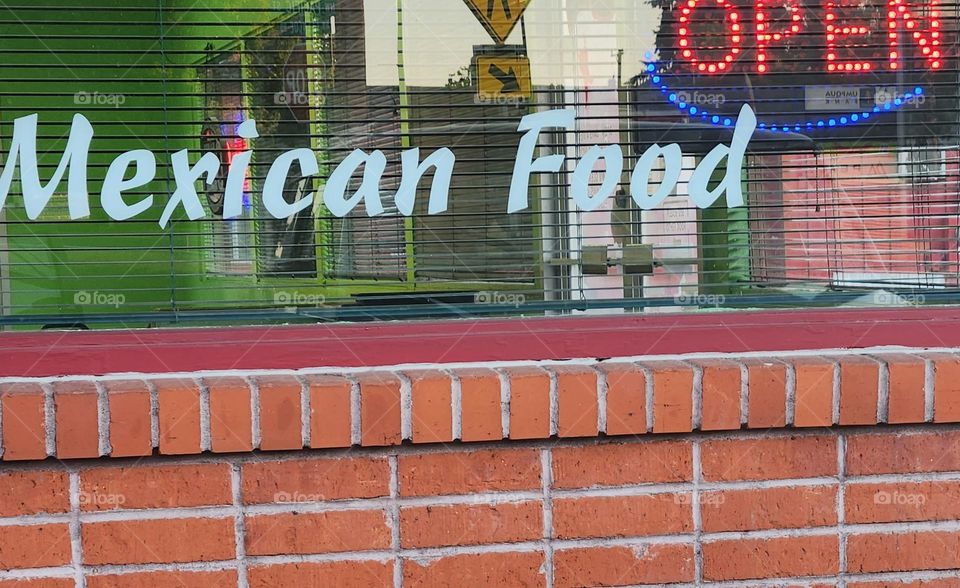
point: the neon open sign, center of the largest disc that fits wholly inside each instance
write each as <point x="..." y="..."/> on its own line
<point x="844" y="35"/>
<point x="876" y="56"/>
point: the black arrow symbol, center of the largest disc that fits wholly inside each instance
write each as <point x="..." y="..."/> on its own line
<point x="506" y="8"/>
<point x="508" y="78"/>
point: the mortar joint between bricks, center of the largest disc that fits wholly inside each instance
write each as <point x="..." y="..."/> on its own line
<point x="49" y="420"/>
<point x="255" y="435"/>
<point x="790" y="415"/>
<point x="602" y="390"/>
<point x="546" y="473"/>
<point x="883" y="390"/>
<point x="554" y="402"/>
<point x="406" y="406"/>
<point x="103" y="419"/>
<point x="841" y="506"/>
<point x="504" y="402"/>
<point x="649" y="399"/>
<point x="305" y="409"/>
<point x="356" y="430"/>
<point x="240" y="531"/>
<point x="394" y="518"/>
<point x="697" y="513"/>
<point x="154" y="396"/>
<point x="456" y="404"/>
<point x="696" y="397"/>
<point x="206" y="443"/>
<point x="929" y="385"/>
<point x="76" y="540"/>
<point x="744" y="395"/>
<point x="835" y="408"/>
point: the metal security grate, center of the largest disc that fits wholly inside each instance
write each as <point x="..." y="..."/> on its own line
<point x="851" y="182"/>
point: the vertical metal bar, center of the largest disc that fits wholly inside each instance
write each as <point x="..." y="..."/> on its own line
<point x="408" y="226"/>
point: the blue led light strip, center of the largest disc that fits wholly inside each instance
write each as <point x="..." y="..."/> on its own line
<point x="656" y="80"/>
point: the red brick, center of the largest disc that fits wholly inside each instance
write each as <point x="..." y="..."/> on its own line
<point x="33" y="492"/>
<point x="158" y="541"/>
<point x="77" y="417"/>
<point x="130" y="428"/>
<point x="903" y="501"/>
<point x="231" y="415"/>
<point x="324" y="532"/>
<point x="469" y="472"/>
<point x="471" y="524"/>
<point x="746" y="559"/>
<point x="621" y="566"/>
<point x="432" y="415"/>
<point x="138" y="487"/>
<point x="767" y="394"/>
<point x="318" y="479"/>
<point x="34" y="546"/>
<point x="379" y="410"/>
<point x="576" y="401"/>
<point x="622" y="516"/>
<point x="672" y="396"/>
<point x="795" y="507"/>
<point x="946" y="386"/>
<point x="484" y="569"/>
<point x="480" y="404"/>
<point x="342" y="574"/>
<point x="720" y="398"/>
<point x="945" y="583"/>
<point x="903" y="552"/>
<point x="906" y="388"/>
<point x="610" y="464"/>
<point x="626" y="399"/>
<point x="179" y="579"/>
<point x="179" y="401"/>
<point x="813" y="405"/>
<point x="859" y="387"/>
<point x="903" y="453"/>
<point x="529" y="403"/>
<point x="775" y="458"/>
<point x="40" y="583"/>
<point x="281" y="416"/>
<point x="330" y="412"/>
<point x="24" y="417"/>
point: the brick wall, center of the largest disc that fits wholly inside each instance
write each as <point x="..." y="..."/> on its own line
<point x="826" y="469"/>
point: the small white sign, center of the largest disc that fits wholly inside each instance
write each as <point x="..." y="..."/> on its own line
<point x="832" y="98"/>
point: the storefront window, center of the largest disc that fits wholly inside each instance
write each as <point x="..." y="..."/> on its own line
<point x="322" y="115"/>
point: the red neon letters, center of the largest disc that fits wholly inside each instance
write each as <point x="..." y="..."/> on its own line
<point x="766" y="33"/>
<point x="732" y="21"/>
<point x="849" y="41"/>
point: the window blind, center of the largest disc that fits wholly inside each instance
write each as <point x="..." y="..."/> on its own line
<point x="850" y="181"/>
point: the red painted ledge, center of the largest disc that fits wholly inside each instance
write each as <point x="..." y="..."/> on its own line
<point x="355" y="345"/>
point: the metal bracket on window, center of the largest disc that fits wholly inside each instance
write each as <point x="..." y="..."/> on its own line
<point x="595" y="260"/>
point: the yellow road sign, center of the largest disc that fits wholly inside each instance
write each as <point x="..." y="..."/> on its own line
<point x="503" y="77"/>
<point x="499" y="17"/>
